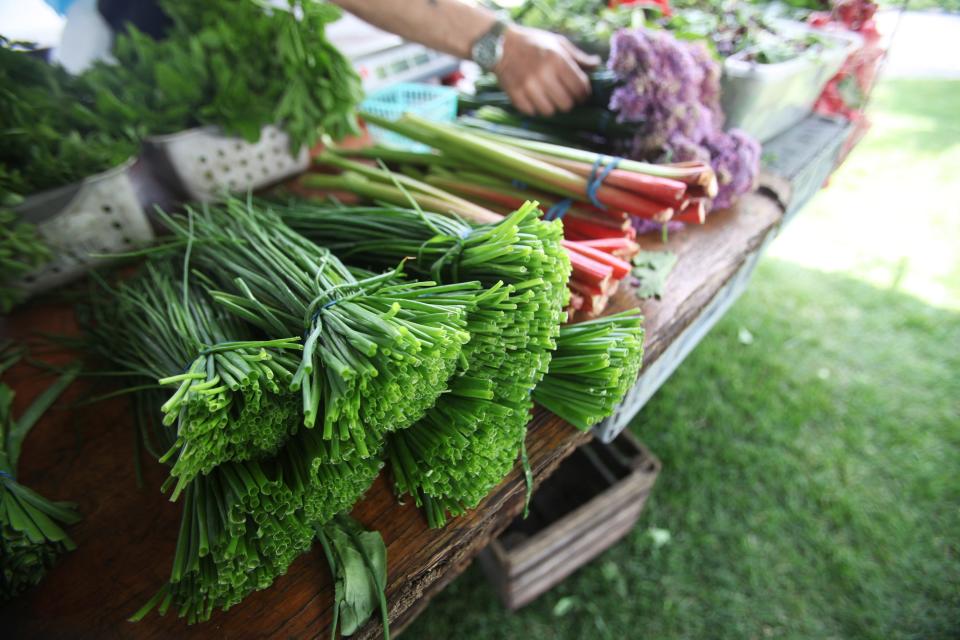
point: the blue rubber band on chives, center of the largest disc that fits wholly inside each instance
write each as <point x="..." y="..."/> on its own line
<point x="558" y="210"/>
<point x="599" y="173"/>
<point x="6" y="475"/>
<point x="519" y="184"/>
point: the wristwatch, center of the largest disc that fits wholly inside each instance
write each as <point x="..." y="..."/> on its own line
<point x="488" y="49"/>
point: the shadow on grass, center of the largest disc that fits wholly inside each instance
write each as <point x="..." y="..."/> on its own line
<point x="809" y="486"/>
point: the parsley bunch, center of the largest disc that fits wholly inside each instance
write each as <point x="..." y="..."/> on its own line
<point x="235" y="64"/>
<point x="21" y="251"/>
<point x="51" y="133"/>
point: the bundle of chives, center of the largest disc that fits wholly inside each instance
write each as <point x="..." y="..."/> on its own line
<point x="31" y="537"/>
<point x="373" y="361"/>
<point x="595" y="364"/>
<point x="245" y="522"/>
<point x="469" y="441"/>
<point x="438" y="459"/>
<point x="228" y="401"/>
<point x="333" y="487"/>
<point x="242" y="526"/>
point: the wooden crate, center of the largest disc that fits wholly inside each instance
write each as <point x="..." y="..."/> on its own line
<point x="592" y="501"/>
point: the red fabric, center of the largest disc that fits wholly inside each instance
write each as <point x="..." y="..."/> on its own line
<point x="662" y="5"/>
<point x="846" y="92"/>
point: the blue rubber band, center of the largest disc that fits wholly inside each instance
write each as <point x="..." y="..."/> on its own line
<point x="6" y="475"/>
<point x="558" y="210"/>
<point x="599" y="173"/>
<point x="519" y="184"/>
<point x="329" y="304"/>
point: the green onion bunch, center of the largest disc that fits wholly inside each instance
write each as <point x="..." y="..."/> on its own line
<point x="229" y="393"/>
<point x="244" y="523"/>
<point x="242" y="526"/>
<point x="471" y="438"/>
<point x="374" y="358"/>
<point x="596" y="363"/>
<point x="22" y="250"/>
<point x="328" y="488"/>
<point x="31" y="533"/>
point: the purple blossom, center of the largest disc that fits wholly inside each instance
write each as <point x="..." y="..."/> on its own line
<point x="642" y="225"/>
<point x="671" y="89"/>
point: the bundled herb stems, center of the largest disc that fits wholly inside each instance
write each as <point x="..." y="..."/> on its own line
<point x="470" y="439"/>
<point x="226" y="400"/>
<point x="375" y="357"/>
<point x="31" y="526"/>
<point x="595" y="364"/>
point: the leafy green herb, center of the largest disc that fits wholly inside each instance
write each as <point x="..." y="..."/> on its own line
<point x="21" y="251"/>
<point x="236" y="64"/>
<point x="358" y="562"/>
<point x="51" y="134"/>
<point x="651" y="269"/>
<point x="377" y="352"/>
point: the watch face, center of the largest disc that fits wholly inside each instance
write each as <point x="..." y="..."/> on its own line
<point x="486" y="54"/>
<point x="488" y="49"/>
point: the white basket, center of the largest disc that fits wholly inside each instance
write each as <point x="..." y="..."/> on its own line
<point x="98" y="215"/>
<point x="766" y="99"/>
<point x="204" y="164"/>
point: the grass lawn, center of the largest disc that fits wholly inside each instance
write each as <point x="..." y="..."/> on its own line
<point x="811" y="480"/>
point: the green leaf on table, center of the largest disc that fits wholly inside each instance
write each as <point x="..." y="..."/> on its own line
<point x="651" y="269"/>
<point x="358" y="563"/>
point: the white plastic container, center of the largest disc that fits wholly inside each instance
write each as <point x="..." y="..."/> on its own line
<point x="766" y="99"/>
<point x="101" y="215"/>
<point x="203" y="164"/>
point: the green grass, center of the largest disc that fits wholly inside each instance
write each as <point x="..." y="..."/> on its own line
<point x="890" y="215"/>
<point x="811" y="476"/>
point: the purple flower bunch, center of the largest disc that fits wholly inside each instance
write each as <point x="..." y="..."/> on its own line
<point x="672" y="90"/>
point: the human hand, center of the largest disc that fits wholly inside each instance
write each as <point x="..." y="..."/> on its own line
<point x="543" y="72"/>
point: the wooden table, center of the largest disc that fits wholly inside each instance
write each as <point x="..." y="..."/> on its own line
<point x="127" y="536"/>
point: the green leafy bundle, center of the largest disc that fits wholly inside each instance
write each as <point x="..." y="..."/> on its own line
<point x="21" y="251"/>
<point x="236" y="64"/>
<point x="230" y="392"/>
<point x="470" y="439"/>
<point x="242" y="526"/>
<point x="331" y="487"/>
<point x="596" y="363"/>
<point x="376" y="354"/>
<point x="31" y="534"/>
<point x="51" y="134"/>
<point x="244" y="523"/>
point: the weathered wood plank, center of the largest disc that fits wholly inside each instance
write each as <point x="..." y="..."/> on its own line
<point x="127" y="536"/>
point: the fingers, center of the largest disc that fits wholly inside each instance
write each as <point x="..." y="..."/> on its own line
<point x="584" y="60"/>
<point x="574" y="80"/>
<point x="541" y="102"/>
<point x="561" y="98"/>
<point x="522" y="103"/>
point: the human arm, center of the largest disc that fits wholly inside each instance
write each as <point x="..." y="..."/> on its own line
<point x="541" y="72"/>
